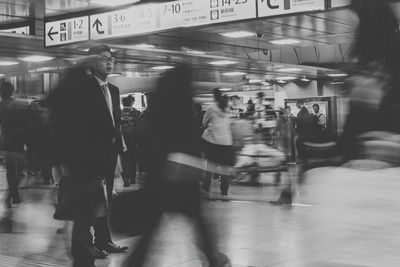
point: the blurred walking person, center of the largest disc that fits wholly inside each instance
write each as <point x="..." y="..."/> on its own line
<point x="218" y="139"/>
<point x="15" y="126"/>
<point x="375" y="94"/>
<point x="171" y="133"/>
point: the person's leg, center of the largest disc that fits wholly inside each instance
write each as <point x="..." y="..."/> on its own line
<point x="134" y="165"/>
<point x="210" y="156"/>
<point x="102" y="235"/>
<point x="226" y="159"/>
<point x="82" y="248"/>
<point x="126" y="170"/>
<point x="11" y="170"/>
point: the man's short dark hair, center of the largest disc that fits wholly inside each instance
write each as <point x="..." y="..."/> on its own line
<point x="127" y="101"/>
<point x="132" y="98"/>
<point x="299" y="101"/>
<point x="315" y="105"/>
<point x="235" y="97"/>
<point x="98" y="49"/>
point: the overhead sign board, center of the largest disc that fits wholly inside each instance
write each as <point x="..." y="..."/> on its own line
<point x="340" y="3"/>
<point x="66" y="31"/>
<point x="157" y="17"/>
<point x="18" y="30"/>
<point x="130" y="21"/>
<point x="268" y="8"/>
<point x="193" y="13"/>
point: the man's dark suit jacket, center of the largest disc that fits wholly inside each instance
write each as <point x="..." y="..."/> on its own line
<point x="303" y="122"/>
<point x="85" y="138"/>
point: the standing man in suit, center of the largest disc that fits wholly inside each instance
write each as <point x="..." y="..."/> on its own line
<point x="303" y="127"/>
<point x="87" y="138"/>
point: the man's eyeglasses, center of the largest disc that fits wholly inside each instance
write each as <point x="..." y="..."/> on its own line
<point x="107" y="59"/>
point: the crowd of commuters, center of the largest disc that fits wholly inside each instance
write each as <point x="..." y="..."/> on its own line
<point x="88" y="131"/>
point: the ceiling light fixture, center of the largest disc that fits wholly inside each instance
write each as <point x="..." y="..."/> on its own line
<point x="148" y="46"/>
<point x="195" y="52"/>
<point x="222" y="62"/>
<point x="290" y="70"/>
<point x="337" y="83"/>
<point x="286" y="78"/>
<point x="281" y="82"/>
<point x="162" y="67"/>
<point x="238" y="34"/>
<point x="8" y="63"/>
<point x="338" y="75"/>
<point x="36" y="58"/>
<point x="254" y="81"/>
<point x="304" y="79"/>
<point x="225" y="89"/>
<point x="114" y="75"/>
<point x="285" y="41"/>
<point x="114" y="2"/>
<point x="234" y="73"/>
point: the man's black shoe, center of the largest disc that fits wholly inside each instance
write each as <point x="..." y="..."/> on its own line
<point x="112" y="248"/>
<point x="100" y="254"/>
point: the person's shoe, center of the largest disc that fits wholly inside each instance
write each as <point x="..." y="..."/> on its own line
<point x="112" y="248"/>
<point x="126" y="183"/>
<point x="99" y="254"/>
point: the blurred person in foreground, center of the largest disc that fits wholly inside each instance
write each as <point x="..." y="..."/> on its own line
<point x="218" y="139"/>
<point x="171" y="133"/>
<point x="129" y="123"/>
<point x="85" y="114"/>
<point x="15" y="126"/>
<point x="375" y="92"/>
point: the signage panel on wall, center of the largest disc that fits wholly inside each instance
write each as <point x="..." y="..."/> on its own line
<point x="18" y="30"/>
<point x="66" y="31"/>
<point x="268" y="8"/>
<point x="340" y="3"/>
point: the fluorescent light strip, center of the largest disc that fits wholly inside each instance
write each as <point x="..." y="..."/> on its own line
<point x="304" y="79"/>
<point x="255" y="81"/>
<point x="195" y="52"/>
<point x="285" y="41"/>
<point x="286" y="78"/>
<point x="225" y="89"/>
<point x="149" y="46"/>
<point x="222" y="62"/>
<point x="238" y="34"/>
<point x="36" y="58"/>
<point x="8" y="63"/>
<point x="338" y="75"/>
<point x="234" y="73"/>
<point x="162" y="67"/>
<point x="290" y="70"/>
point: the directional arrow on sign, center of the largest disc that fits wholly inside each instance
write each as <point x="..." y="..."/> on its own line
<point x="97" y="23"/>
<point x="50" y="34"/>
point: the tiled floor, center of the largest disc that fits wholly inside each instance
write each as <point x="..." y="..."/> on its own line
<point x="343" y="218"/>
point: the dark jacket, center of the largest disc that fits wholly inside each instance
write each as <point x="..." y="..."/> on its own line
<point x="83" y="132"/>
<point x="15" y="124"/>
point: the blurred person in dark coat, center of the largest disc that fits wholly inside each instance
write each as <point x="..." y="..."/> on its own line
<point x="171" y="129"/>
<point x="129" y="123"/>
<point x="303" y="122"/>
<point x="86" y="128"/>
<point x="15" y="126"/>
<point x="375" y="85"/>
